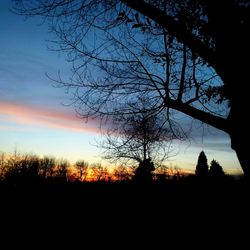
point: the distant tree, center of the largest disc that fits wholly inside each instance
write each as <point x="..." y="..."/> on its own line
<point x="162" y="173"/>
<point x="174" y="172"/>
<point x="99" y="173"/>
<point x="14" y="159"/>
<point x="3" y="165"/>
<point x="202" y="165"/>
<point x="177" y="173"/>
<point x="82" y="170"/>
<point x="24" y="169"/>
<point x="31" y="165"/>
<point x="134" y="138"/>
<point x="140" y="138"/>
<point x="62" y="169"/>
<point x="47" y="166"/>
<point x="122" y="173"/>
<point x="216" y="170"/>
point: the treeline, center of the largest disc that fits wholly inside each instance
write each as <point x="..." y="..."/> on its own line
<point x="18" y="171"/>
<point x="31" y="168"/>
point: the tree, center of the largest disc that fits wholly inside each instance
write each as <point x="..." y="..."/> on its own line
<point x="62" y="169"/>
<point x="187" y="56"/>
<point x="47" y="166"/>
<point x="216" y="170"/>
<point x="142" y="138"/>
<point x="99" y="173"/>
<point x="122" y="173"/>
<point x="137" y="138"/>
<point x="162" y="173"/>
<point x="202" y="166"/>
<point x="82" y="170"/>
<point x="3" y="165"/>
<point x="23" y="169"/>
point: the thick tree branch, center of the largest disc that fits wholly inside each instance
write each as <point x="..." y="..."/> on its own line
<point x="183" y="74"/>
<point x="215" y="121"/>
<point x="175" y="28"/>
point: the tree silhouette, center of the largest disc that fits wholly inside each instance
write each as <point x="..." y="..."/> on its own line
<point x="162" y="173"/>
<point x="122" y="173"/>
<point x="136" y="138"/>
<point x="187" y="56"/>
<point x="23" y="169"/>
<point x="99" y="173"/>
<point x="62" y="169"/>
<point x="202" y="166"/>
<point x="47" y="166"/>
<point x="3" y="167"/>
<point x="82" y="169"/>
<point x="216" y="170"/>
<point x="143" y="174"/>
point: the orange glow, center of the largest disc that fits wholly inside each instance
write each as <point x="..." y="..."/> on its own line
<point x="51" y="118"/>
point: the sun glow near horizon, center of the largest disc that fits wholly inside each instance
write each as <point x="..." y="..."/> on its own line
<point x="47" y="131"/>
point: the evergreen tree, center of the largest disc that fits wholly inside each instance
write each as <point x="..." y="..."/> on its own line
<point x="202" y="166"/>
<point x="216" y="170"/>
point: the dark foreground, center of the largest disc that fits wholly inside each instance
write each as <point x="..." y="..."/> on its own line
<point x="105" y="213"/>
<point x="184" y="195"/>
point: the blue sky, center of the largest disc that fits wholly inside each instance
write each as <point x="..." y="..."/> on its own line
<point x="34" y="119"/>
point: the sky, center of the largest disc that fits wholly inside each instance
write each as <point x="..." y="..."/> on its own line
<point x="35" y="117"/>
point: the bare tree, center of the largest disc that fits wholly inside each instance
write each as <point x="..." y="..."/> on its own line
<point x="82" y="169"/>
<point x="62" y="169"/>
<point x="99" y="173"/>
<point x="47" y="166"/>
<point x="22" y="169"/>
<point x="122" y="173"/>
<point x="135" y="138"/>
<point x="187" y="56"/>
<point x="162" y="173"/>
<point x="3" y="165"/>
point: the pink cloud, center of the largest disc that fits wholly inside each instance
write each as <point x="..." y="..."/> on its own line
<point x="46" y="117"/>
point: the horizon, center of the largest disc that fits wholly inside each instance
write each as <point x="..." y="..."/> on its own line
<point x="171" y="170"/>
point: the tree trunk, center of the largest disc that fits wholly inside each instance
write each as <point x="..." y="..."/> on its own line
<point x="240" y="143"/>
<point x="244" y="159"/>
<point x="239" y="133"/>
<point x="239" y="122"/>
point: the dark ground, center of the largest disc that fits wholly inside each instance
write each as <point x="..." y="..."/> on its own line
<point x="180" y="213"/>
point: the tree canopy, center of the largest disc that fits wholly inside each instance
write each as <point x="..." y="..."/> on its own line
<point x="133" y="139"/>
<point x="216" y="170"/>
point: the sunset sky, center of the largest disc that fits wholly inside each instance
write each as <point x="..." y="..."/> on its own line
<point x="35" y="116"/>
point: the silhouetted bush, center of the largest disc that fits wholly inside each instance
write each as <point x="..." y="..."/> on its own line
<point x="143" y="173"/>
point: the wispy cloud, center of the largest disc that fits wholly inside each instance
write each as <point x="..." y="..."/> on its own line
<point x="46" y="117"/>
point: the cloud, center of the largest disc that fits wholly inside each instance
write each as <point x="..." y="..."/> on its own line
<point x="46" y="117"/>
<point x="219" y="145"/>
